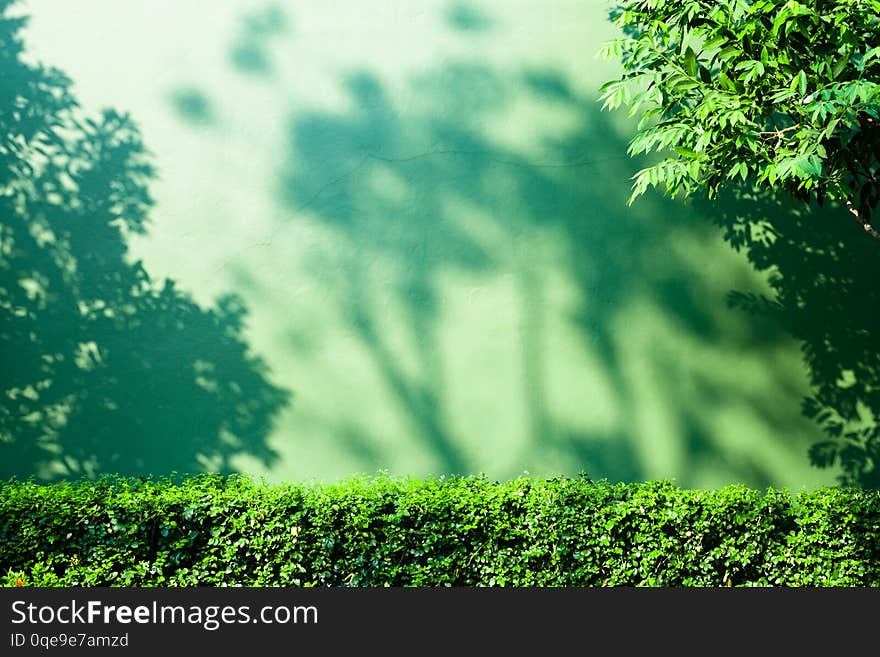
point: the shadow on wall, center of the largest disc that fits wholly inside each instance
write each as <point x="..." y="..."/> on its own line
<point x="104" y="369"/>
<point x="259" y="28"/>
<point x="427" y="191"/>
<point x="824" y="281"/>
<point x="614" y="257"/>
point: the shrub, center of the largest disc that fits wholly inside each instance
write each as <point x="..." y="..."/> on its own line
<point x="229" y="531"/>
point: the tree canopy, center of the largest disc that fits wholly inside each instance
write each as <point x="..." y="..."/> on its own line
<point x="781" y="93"/>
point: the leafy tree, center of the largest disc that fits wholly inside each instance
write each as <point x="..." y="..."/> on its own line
<point x="104" y="369"/>
<point x="781" y="93"/>
<point x="757" y="103"/>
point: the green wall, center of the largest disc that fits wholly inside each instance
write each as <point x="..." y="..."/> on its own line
<point x="424" y="211"/>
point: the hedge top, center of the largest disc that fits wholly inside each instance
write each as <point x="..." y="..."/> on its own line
<point x="229" y="531"/>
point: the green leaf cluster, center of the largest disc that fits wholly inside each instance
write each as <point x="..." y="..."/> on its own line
<point x="781" y="92"/>
<point x="229" y="531"/>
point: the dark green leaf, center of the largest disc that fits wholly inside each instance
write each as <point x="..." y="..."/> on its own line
<point x="839" y="66"/>
<point x="690" y="61"/>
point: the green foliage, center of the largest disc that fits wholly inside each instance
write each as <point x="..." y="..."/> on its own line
<point x="216" y="531"/>
<point x="765" y="96"/>
<point x="782" y="93"/>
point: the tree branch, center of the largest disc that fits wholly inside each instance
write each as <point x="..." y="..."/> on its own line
<point x="779" y="133"/>
<point x="853" y="210"/>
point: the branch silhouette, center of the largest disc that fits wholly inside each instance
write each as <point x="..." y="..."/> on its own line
<point x="105" y="369"/>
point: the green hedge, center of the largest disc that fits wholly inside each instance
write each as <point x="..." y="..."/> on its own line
<point x="216" y="531"/>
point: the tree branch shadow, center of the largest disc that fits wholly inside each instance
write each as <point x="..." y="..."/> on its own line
<point x="105" y="369"/>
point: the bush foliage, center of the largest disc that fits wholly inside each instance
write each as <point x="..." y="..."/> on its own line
<point x="229" y="531"/>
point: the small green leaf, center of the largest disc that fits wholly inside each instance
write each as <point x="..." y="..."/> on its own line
<point x="782" y="95"/>
<point x="839" y="66"/>
<point x="728" y="53"/>
<point x="726" y="82"/>
<point x="686" y="152"/>
<point x="690" y="61"/>
<point x="714" y="42"/>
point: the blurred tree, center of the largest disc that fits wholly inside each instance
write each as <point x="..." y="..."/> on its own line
<point x="103" y="368"/>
